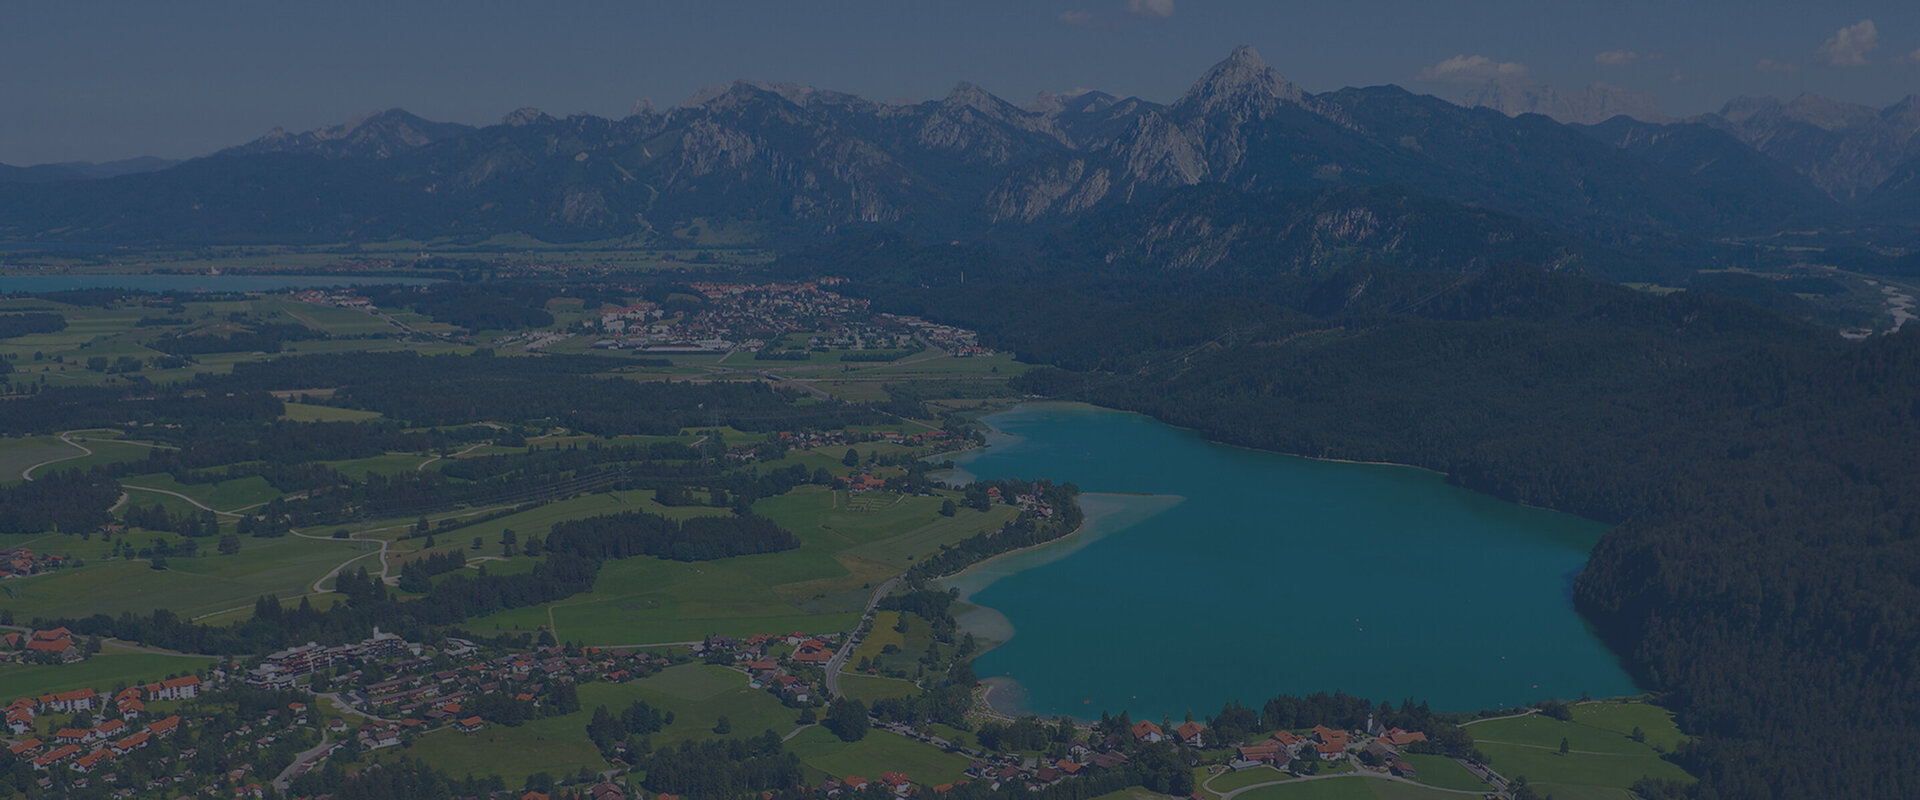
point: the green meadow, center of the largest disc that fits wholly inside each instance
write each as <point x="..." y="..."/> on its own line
<point x="879" y="752"/>
<point x="698" y="695"/>
<point x="286" y="566"/>
<point x="845" y="552"/>
<point x="1601" y="762"/>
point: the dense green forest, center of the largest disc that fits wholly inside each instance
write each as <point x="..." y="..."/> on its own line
<point x="1765" y="571"/>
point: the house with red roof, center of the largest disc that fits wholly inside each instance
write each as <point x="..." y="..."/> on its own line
<point x="56" y="756"/>
<point x="132" y="743"/>
<point x="1148" y="732"/>
<point x="19" y="719"/>
<point x="164" y="727"/>
<point x="88" y="762"/>
<point x="75" y="735"/>
<point x="62" y="647"/>
<point x="1190" y="733"/>
<point x="184" y="687"/>
<point x="1400" y="738"/>
<point x="76" y="700"/>
<point x="470" y="724"/>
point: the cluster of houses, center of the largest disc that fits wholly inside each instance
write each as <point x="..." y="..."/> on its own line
<point x="340" y="298"/>
<point x="1027" y="501"/>
<point x="53" y="643"/>
<point x="765" y="668"/>
<point x="749" y="316"/>
<point x="117" y="731"/>
<point x="19" y="562"/>
<point x="1328" y="744"/>
<point x="87" y="750"/>
<point x="421" y="697"/>
<point x="957" y="341"/>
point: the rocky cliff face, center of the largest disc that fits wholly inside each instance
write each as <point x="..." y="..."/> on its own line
<point x="1847" y="150"/>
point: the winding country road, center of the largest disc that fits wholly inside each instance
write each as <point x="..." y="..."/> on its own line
<point x="27" y="474"/>
<point x="846" y="648"/>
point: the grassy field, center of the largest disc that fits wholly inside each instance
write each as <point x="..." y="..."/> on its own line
<point x="1243" y="778"/>
<point x="1331" y="789"/>
<point x="305" y="412"/>
<point x="101" y="672"/>
<point x="866" y="688"/>
<point x="1348" y="788"/>
<point x="511" y="753"/>
<point x="1445" y="773"/>
<point x="1654" y="722"/>
<point x="880" y="751"/>
<point x="224" y="495"/>
<point x="819" y="587"/>
<point x="1599" y="759"/>
<point x="19" y="453"/>
<point x="285" y="566"/>
<point x="696" y="694"/>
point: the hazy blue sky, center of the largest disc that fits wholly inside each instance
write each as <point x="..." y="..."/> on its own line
<point x="84" y="80"/>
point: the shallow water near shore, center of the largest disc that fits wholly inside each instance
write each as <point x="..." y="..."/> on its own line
<point x="1207" y="573"/>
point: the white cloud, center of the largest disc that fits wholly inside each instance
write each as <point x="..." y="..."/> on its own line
<point x="1151" y="8"/>
<point x="1473" y="69"/>
<point x="1080" y="19"/>
<point x="1850" y="45"/>
<point x="1912" y="58"/>
<point x="1615" y="58"/>
<point x="1770" y="65"/>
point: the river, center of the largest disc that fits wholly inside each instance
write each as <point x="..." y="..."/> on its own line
<point x="1207" y="573"/>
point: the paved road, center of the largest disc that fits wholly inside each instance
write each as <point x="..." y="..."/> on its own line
<point x="196" y="503"/>
<point x="27" y="474"/>
<point x="309" y="756"/>
<point x="846" y="648"/>
<point x="423" y="464"/>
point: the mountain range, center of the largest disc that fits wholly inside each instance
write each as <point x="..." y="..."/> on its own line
<point x="782" y="162"/>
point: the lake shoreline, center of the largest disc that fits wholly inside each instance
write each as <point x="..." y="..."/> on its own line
<point x="1267" y="530"/>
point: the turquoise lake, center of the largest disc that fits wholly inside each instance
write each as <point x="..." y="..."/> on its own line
<point x="1208" y="573"/>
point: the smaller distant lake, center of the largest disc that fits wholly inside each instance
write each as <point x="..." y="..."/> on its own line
<point x="194" y="283"/>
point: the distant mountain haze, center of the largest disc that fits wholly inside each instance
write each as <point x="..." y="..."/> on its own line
<point x="784" y="162"/>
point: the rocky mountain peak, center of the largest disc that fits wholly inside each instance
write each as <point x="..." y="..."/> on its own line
<point x="379" y="135"/>
<point x="1827" y="113"/>
<point x="1241" y="79"/>
<point x="1073" y="101"/>
<point x="522" y="117"/>
<point x="801" y="95"/>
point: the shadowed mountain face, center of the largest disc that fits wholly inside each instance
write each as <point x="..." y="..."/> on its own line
<point x="793" y="162"/>
<point x="1850" y="151"/>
